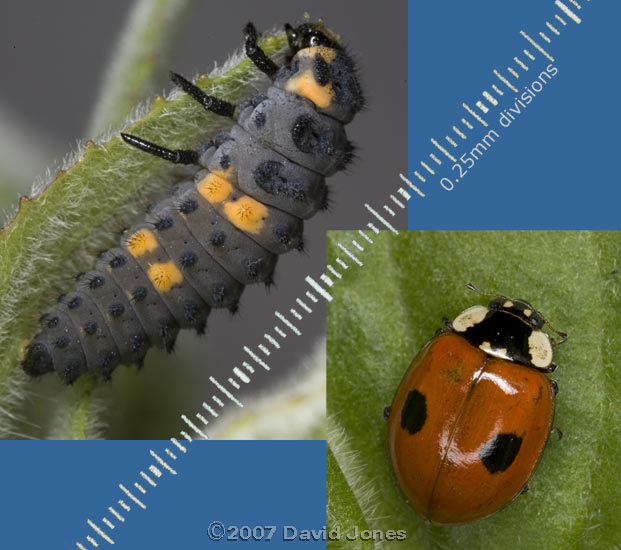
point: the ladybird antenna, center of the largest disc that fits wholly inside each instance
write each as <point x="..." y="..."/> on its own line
<point x="563" y="335"/>
<point x="211" y="103"/>
<point x="470" y="286"/>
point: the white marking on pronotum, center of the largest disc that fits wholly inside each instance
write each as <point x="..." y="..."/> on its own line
<point x="272" y="340"/>
<point x="241" y="375"/>
<point x="477" y="117"/>
<point x="368" y="207"/>
<point x="288" y="323"/>
<point x="155" y="470"/>
<point x="350" y="254"/>
<point x="92" y="541"/>
<point x="389" y="210"/>
<point x="327" y="279"/>
<point x="513" y="72"/>
<point x="545" y="37"/>
<point x="210" y="410"/>
<point x="99" y="531"/>
<point x="364" y="236"/>
<point x="193" y="426"/>
<point x="123" y="505"/>
<point x="108" y="522"/>
<point x="248" y="367"/>
<point x="459" y="132"/>
<point x="280" y="332"/>
<point x="505" y="81"/>
<point x="226" y="392"/>
<point x="148" y="479"/>
<point x="312" y="296"/>
<point x="140" y="488"/>
<point x="132" y="496"/>
<point x="421" y="178"/>
<point x="80" y="546"/>
<point x="335" y="272"/>
<point x="372" y="228"/>
<point x="295" y="313"/>
<point x="396" y="201"/>
<point x="484" y="108"/>
<point x="536" y="46"/>
<point x="467" y="124"/>
<point x="560" y="19"/>
<point x="186" y="436"/>
<point x="256" y="358"/>
<point x="116" y="514"/>
<point x="426" y="167"/>
<point x="569" y="13"/>
<point x="161" y="462"/>
<point x="403" y="193"/>
<point x="452" y="142"/>
<point x="553" y="28"/>
<point x="233" y="383"/>
<point x="490" y="98"/>
<point x="529" y="55"/>
<point x="519" y="62"/>
<point x="264" y="349"/>
<point x="202" y="419"/>
<point x="178" y="445"/>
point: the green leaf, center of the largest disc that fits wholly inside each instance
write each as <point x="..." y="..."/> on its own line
<point x="385" y="311"/>
<point x="104" y="186"/>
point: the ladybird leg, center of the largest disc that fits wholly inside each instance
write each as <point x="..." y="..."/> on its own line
<point x="178" y="156"/>
<point x="256" y="54"/>
<point x="550" y="369"/>
<point x="524" y="489"/>
<point x="209" y="102"/>
<point x="558" y="432"/>
<point x="554" y="385"/>
<point x="386" y="412"/>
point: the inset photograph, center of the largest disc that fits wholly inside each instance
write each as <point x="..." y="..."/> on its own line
<point x="473" y="389"/>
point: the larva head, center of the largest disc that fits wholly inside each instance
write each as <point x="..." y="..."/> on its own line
<point x="322" y="72"/>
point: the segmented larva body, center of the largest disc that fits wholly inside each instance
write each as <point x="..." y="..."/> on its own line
<point x="197" y="249"/>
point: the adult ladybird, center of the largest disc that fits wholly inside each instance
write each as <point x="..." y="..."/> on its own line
<point x="473" y="412"/>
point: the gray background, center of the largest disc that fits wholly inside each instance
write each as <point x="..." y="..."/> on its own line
<point x="53" y="56"/>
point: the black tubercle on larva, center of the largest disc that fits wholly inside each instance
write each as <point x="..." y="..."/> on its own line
<point x="196" y="250"/>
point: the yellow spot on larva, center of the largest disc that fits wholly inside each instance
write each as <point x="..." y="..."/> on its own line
<point x="141" y="242"/>
<point x="246" y="214"/>
<point x="328" y="54"/>
<point x="214" y="188"/>
<point x="306" y="86"/>
<point x="164" y="276"/>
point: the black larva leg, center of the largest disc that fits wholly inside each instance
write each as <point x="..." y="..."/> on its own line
<point x="524" y="489"/>
<point x="211" y="103"/>
<point x="554" y="385"/>
<point x="178" y="156"/>
<point x="550" y="369"/>
<point x="558" y="432"/>
<point x="256" y="54"/>
<point x="386" y="412"/>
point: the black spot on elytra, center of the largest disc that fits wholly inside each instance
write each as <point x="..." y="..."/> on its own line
<point x="218" y="238"/>
<point x="188" y="206"/>
<point x="414" y="412"/>
<point x="499" y="453"/>
<point x="188" y="258"/>
<point x="90" y="327"/>
<point x="139" y="293"/>
<point x="116" y="309"/>
<point x="118" y="261"/>
<point x="164" y="223"/>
